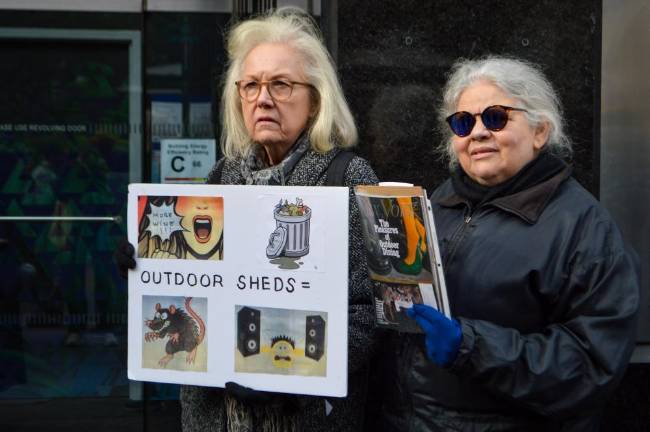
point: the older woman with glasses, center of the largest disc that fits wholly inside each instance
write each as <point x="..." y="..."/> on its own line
<point x="285" y="122"/>
<point x="543" y="292"/>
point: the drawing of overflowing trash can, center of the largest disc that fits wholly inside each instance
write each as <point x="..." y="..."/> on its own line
<point x="291" y="235"/>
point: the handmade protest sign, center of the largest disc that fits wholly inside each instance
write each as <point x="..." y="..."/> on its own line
<point x="239" y="283"/>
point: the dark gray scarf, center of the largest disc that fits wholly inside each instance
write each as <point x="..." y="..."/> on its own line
<point x="256" y="171"/>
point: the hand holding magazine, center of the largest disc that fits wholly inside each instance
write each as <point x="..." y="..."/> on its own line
<point x="402" y="253"/>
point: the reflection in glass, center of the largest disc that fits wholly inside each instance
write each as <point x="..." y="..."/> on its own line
<point x="64" y="151"/>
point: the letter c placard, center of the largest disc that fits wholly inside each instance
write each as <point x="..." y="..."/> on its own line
<point x="181" y="167"/>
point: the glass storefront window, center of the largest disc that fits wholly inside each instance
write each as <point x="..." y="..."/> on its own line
<point x="185" y="58"/>
<point x="67" y="129"/>
<point x="70" y="142"/>
<point x="87" y="98"/>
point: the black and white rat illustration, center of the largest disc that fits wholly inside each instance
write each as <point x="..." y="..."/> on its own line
<point x="185" y="332"/>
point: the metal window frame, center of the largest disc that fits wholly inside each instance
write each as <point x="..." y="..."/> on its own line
<point x="625" y="137"/>
<point x="119" y="5"/>
<point x="133" y="39"/>
<point x="138" y="6"/>
<point x="223" y="6"/>
<point x="74" y="5"/>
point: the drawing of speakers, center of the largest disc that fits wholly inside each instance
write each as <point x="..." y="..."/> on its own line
<point x="248" y="331"/>
<point x="314" y="337"/>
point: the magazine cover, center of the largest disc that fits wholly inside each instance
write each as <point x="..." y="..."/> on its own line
<point x="402" y="252"/>
<point x="395" y="238"/>
<point x="393" y="299"/>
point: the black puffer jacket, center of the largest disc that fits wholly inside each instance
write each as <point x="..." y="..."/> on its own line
<point x="546" y="295"/>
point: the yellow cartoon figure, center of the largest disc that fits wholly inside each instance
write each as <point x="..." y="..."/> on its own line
<point x="282" y="350"/>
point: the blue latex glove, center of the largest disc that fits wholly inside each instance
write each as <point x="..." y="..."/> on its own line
<point x="442" y="335"/>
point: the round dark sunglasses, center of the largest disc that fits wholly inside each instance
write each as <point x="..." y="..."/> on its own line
<point x="494" y="118"/>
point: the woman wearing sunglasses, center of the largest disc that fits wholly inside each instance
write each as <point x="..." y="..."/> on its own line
<point x="543" y="292"/>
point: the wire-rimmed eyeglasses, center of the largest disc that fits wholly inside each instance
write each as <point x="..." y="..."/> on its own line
<point x="280" y="90"/>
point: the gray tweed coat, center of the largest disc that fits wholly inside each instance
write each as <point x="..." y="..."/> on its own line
<point x="203" y="408"/>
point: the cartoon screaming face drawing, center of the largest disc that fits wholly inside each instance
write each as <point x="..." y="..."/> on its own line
<point x="202" y="222"/>
<point x="282" y="351"/>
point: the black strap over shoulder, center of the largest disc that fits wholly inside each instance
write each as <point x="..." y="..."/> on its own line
<point x="335" y="174"/>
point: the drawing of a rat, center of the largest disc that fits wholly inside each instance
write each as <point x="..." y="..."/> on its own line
<point x="185" y="332"/>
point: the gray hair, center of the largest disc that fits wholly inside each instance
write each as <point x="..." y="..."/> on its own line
<point x="333" y="125"/>
<point x="520" y="79"/>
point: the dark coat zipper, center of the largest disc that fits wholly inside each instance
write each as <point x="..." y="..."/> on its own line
<point x="458" y="235"/>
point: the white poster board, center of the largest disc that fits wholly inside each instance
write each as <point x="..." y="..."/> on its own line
<point x="186" y="161"/>
<point x="265" y="270"/>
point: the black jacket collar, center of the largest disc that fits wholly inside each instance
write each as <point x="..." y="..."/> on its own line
<point x="527" y="204"/>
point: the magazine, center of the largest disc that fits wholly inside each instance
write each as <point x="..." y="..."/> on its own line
<point x="402" y="253"/>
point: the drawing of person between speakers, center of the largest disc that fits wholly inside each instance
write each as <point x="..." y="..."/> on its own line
<point x="280" y="341"/>
<point x="180" y="227"/>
